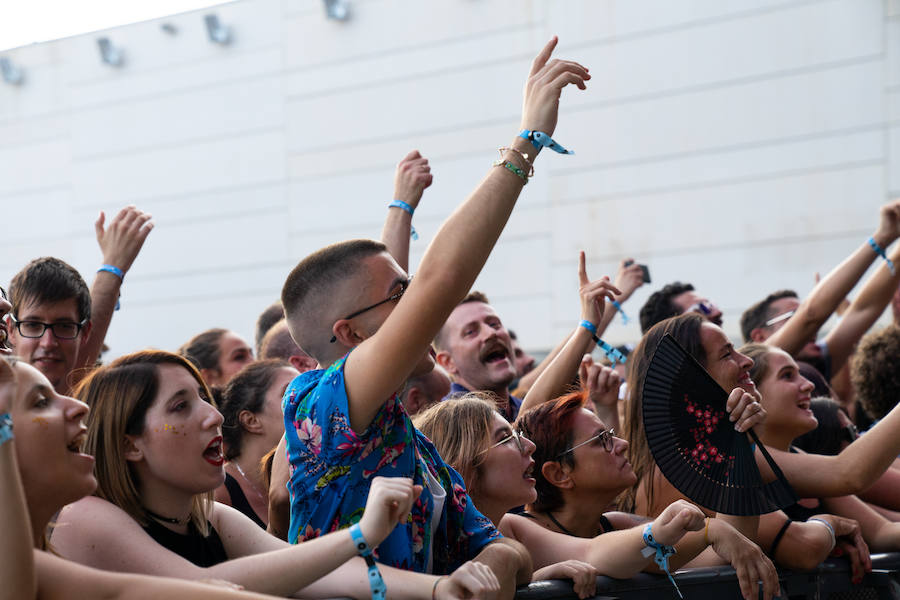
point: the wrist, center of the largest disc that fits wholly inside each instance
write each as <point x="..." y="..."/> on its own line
<point x="883" y="239"/>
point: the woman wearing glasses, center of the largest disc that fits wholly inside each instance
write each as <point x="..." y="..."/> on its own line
<point x="158" y="448"/>
<point x="499" y="471"/>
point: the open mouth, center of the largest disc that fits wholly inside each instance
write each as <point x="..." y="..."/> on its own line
<point x="213" y="453"/>
<point x="745" y="381"/>
<point x="494" y="353"/>
<point x="529" y="472"/>
<point x="77" y="443"/>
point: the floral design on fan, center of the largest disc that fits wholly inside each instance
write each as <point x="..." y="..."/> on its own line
<point x="704" y="452"/>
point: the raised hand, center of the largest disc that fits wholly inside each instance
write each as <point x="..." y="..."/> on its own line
<point x="602" y="385"/>
<point x="888" y="225"/>
<point x="122" y="240"/>
<point x="593" y="294"/>
<point x="676" y="520"/>
<point x="540" y="107"/>
<point x="472" y="580"/>
<point x="629" y="277"/>
<point x="582" y="574"/>
<point x="389" y="502"/>
<point x="744" y="409"/>
<point x="412" y="177"/>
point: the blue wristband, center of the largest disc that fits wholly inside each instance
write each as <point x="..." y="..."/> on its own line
<point x="115" y="271"/>
<point x="662" y="553"/>
<point x="625" y="318"/>
<point x="880" y="252"/>
<point x="376" y="583"/>
<point x="539" y="140"/>
<point x="611" y="353"/>
<point x="6" y="428"/>
<point x="404" y="206"/>
<point x="589" y="326"/>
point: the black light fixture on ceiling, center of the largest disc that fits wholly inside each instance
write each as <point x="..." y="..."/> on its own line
<point x="217" y="32"/>
<point x="110" y="54"/>
<point x="338" y="10"/>
<point x="11" y="74"/>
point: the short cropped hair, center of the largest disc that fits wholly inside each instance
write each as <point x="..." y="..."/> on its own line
<point x="472" y="296"/>
<point x="659" y="305"/>
<point x="308" y="295"/>
<point x="264" y="323"/>
<point x="46" y="280"/>
<point x="874" y="371"/>
<point x="756" y="316"/>
<point x="278" y="343"/>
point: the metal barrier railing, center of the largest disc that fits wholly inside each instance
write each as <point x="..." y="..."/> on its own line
<point x="829" y="581"/>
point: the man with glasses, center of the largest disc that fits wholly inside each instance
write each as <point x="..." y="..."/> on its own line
<point x="676" y="299"/>
<point x="346" y="424"/>
<point x="56" y="323"/>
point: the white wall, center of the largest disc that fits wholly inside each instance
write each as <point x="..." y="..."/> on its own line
<point x="741" y="145"/>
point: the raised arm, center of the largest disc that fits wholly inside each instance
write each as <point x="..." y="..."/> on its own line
<point x="16" y="564"/>
<point x="856" y="468"/>
<point x="559" y="375"/>
<point x="456" y="255"/>
<point x="865" y="309"/>
<point x="828" y="294"/>
<point x="120" y="244"/>
<point x="412" y="177"/>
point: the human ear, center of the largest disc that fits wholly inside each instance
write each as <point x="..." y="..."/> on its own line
<point x="249" y="422"/>
<point x="345" y="334"/>
<point x="446" y="361"/>
<point x="132" y="452"/>
<point x="758" y="335"/>
<point x="211" y="376"/>
<point x="557" y="475"/>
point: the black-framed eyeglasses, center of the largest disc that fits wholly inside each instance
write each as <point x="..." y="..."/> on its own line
<point x="36" y="329"/>
<point x="604" y="437"/>
<point x="514" y="436"/>
<point x="3" y="293"/>
<point x="403" y="287"/>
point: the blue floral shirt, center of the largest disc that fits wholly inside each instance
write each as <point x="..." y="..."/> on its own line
<point x="332" y="468"/>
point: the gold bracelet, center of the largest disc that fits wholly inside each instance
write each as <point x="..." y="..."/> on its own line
<point x="706" y="532"/>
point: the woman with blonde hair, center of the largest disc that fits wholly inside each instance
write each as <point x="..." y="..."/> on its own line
<point x="158" y="449"/>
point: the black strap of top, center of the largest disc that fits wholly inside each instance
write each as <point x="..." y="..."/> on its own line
<point x="778" y="537"/>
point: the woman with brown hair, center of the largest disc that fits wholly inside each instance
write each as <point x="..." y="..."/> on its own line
<point x="158" y="452"/>
<point x="801" y="547"/>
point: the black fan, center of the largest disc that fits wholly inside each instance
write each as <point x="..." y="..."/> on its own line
<point x="695" y="445"/>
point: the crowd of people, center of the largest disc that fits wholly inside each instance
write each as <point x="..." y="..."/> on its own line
<point x="388" y="436"/>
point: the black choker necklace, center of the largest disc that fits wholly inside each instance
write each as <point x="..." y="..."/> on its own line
<point x="166" y="519"/>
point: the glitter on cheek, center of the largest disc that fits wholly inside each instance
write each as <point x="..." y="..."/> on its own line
<point x="41" y="421"/>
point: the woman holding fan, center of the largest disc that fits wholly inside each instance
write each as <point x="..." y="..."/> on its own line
<point x="800" y="547"/>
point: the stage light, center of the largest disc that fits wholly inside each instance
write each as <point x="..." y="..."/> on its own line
<point x="338" y="10"/>
<point x="110" y="54"/>
<point x="218" y="33"/>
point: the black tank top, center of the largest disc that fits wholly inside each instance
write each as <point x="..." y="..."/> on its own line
<point x="202" y="551"/>
<point x="239" y="500"/>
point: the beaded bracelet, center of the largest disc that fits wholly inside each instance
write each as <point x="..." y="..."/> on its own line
<point x="376" y="582"/>
<point x="407" y="208"/>
<point x="880" y="252"/>
<point x="512" y="169"/>
<point x="521" y="154"/>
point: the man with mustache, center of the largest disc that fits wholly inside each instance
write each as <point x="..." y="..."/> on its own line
<point x="476" y="350"/>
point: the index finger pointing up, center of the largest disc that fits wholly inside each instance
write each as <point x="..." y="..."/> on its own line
<point x="582" y="271"/>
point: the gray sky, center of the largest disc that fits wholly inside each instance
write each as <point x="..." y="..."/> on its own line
<point x="24" y="22"/>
